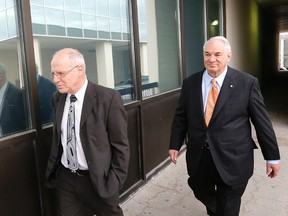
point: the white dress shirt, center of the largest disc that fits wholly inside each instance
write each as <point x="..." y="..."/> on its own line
<point x="207" y="84"/>
<point x="78" y="110"/>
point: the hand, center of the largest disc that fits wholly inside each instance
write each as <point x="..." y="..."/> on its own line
<point x="173" y="155"/>
<point x="272" y="170"/>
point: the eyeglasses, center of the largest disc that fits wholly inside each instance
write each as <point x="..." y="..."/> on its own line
<point x="62" y="74"/>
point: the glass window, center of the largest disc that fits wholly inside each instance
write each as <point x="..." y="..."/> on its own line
<point x="10" y="3"/>
<point x="3" y="26"/>
<point x="105" y="44"/>
<point x="38" y="20"/>
<point x="102" y="8"/>
<point x="89" y="26"/>
<point x="124" y="9"/>
<point x="13" y="96"/>
<point x="73" y="24"/>
<point x="103" y="27"/>
<point x="88" y="6"/>
<point x="46" y="88"/>
<point x="115" y="28"/>
<point x="37" y="15"/>
<point x="2" y="5"/>
<point x="55" y="3"/>
<point x="37" y="2"/>
<point x="159" y="46"/>
<point x="115" y="10"/>
<point x="73" y="5"/>
<point x="55" y="22"/>
<point x="214" y="18"/>
<point x="11" y="21"/>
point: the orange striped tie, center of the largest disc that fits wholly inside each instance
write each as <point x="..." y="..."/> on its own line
<point x="211" y="101"/>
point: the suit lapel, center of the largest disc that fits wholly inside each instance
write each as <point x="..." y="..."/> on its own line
<point x="88" y="103"/>
<point x="198" y="91"/>
<point x="228" y="86"/>
<point x="59" y="110"/>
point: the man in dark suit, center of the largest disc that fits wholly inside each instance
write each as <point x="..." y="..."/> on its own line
<point x="46" y="88"/>
<point x="12" y="109"/>
<point x="102" y="148"/>
<point x="219" y="154"/>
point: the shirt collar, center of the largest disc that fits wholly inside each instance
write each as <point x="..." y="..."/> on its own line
<point x="81" y="93"/>
<point x="220" y="79"/>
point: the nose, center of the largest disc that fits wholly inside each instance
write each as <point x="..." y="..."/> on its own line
<point x="212" y="58"/>
<point x="55" y="79"/>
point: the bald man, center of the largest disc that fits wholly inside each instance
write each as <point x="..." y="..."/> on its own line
<point x="87" y="181"/>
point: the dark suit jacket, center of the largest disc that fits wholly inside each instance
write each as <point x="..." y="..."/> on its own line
<point x="46" y="88"/>
<point x="103" y="133"/>
<point x="229" y="131"/>
<point x="12" y="117"/>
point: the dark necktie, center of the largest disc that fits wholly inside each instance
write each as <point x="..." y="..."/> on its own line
<point x="211" y="101"/>
<point x="71" y="137"/>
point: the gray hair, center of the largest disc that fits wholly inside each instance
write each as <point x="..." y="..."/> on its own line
<point x="222" y="39"/>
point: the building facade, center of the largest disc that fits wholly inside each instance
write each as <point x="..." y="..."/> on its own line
<point x="142" y="48"/>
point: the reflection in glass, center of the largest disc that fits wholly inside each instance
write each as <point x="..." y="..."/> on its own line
<point x="55" y="17"/>
<point x="115" y="10"/>
<point x="159" y="46"/>
<point x="46" y="88"/>
<point x="3" y="26"/>
<point x="11" y="21"/>
<point x="102" y="8"/>
<point x="13" y="96"/>
<point x="73" y="5"/>
<point x="88" y="6"/>
<point x="214" y="18"/>
<point x="38" y="2"/>
<point x="73" y="20"/>
<point x="2" y="5"/>
<point x="37" y="15"/>
<point x="55" y="4"/>
<point x="12" y="110"/>
<point x="102" y="36"/>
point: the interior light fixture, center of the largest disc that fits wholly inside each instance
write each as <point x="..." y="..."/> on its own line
<point x="214" y="23"/>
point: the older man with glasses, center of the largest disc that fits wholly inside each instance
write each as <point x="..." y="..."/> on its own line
<point x="90" y="151"/>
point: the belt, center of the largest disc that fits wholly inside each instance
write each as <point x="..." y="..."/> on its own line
<point x="80" y="172"/>
<point x="77" y="172"/>
<point x="206" y="146"/>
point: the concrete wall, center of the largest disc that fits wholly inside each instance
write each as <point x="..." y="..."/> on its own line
<point x="244" y="33"/>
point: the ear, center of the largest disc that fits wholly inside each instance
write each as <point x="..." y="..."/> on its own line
<point x="229" y="56"/>
<point x="80" y="69"/>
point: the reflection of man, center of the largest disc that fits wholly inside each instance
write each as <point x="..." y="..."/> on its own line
<point x="90" y="151"/>
<point x="12" y="112"/>
<point x="46" y="88"/>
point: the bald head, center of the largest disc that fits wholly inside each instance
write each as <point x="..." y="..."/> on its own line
<point x="73" y="55"/>
<point x="68" y="70"/>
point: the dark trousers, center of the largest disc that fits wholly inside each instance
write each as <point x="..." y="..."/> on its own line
<point x="76" y="197"/>
<point x="208" y="187"/>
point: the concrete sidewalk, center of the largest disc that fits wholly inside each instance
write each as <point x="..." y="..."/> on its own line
<point x="167" y="193"/>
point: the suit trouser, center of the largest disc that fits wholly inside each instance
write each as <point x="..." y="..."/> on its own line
<point x="76" y="197"/>
<point x="219" y="198"/>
